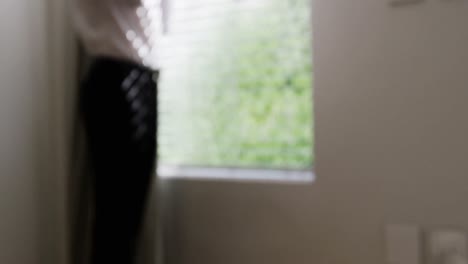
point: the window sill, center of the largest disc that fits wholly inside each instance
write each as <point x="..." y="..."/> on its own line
<point x="235" y="174"/>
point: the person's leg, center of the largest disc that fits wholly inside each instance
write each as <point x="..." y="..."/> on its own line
<point x="120" y="116"/>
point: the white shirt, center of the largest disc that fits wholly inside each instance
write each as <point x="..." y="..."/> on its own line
<point x="126" y="29"/>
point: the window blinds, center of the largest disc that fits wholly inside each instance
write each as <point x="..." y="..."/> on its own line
<point x="235" y="84"/>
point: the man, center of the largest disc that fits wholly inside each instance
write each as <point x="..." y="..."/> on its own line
<point x="118" y="99"/>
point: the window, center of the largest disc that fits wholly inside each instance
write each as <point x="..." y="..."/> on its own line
<point x="236" y="89"/>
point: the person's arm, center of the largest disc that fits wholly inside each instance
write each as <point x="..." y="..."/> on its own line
<point x="165" y="7"/>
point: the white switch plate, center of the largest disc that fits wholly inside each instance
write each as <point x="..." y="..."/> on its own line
<point x="443" y="244"/>
<point x="403" y="244"/>
<point x="402" y="3"/>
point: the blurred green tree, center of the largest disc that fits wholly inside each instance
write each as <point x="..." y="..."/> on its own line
<point x="251" y="92"/>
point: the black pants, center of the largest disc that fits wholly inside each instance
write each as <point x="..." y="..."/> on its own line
<point x="119" y="106"/>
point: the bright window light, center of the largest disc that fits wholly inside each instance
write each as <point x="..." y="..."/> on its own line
<point x="236" y="86"/>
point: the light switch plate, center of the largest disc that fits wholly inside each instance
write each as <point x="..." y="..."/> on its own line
<point x="403" y="244"/>
<point x="445" y="244"/>
<point x="402" y="3"/>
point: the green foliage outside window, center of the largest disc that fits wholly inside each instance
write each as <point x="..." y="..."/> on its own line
<point x="249" y="93"/>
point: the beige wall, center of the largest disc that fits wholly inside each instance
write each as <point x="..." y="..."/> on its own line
<point x="391" y="97"/>
<point x="30" y="218"/>
<point x="19" y="192"/>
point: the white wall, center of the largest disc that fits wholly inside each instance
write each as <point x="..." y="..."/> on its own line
<point x="391" y="97"/>
<point x="30" y="216"/>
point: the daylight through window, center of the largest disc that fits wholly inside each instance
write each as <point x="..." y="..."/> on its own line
<point x="236" y="85"/>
